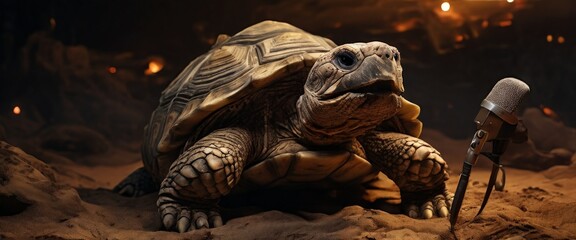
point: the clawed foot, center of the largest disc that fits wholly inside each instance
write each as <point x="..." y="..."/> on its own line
<point x="181" y="218"/>
<point x="438" y="206"/>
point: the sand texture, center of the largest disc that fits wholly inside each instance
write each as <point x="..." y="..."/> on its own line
<point x="71" y="201"/>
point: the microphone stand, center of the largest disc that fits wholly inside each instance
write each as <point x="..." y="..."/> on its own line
<point x="475" y="149"/>
<point x="473" y="152"/>
<point x="498" y="148"/>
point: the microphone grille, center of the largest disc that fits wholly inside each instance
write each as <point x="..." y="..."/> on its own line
<point x="508" y="93"/>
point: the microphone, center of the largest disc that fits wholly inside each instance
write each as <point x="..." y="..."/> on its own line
<point x="496" y="122"/>
<point x="497" y="116"/>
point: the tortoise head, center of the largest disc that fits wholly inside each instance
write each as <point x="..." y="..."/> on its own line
<point x="350" y="90"/>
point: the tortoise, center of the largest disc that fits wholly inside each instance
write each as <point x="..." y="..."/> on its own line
<point x="276" y="107"/>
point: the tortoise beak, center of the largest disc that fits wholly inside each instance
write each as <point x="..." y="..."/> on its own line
<point x="374" y="75"/>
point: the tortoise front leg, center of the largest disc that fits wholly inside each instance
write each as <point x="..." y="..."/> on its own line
<point x="416" y="167"/>
<point x="202" y="174"/>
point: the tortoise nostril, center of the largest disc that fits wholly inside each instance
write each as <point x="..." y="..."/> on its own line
<point x="396" y="56"/>
<point x="387" y="55"/>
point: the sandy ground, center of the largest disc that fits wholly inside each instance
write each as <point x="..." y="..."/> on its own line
<point x="70" y="201"/>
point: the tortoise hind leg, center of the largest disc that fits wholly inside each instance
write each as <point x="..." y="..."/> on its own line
<point x="200" y="176"/>
<point x="416" y="167"/>
<point x="138" y="183"/>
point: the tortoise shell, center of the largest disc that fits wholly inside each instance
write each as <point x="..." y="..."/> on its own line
<point x="234" y="68"/>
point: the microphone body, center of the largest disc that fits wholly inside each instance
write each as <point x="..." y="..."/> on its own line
<point x="495" y="123"/>
<point x="496" y="115"/>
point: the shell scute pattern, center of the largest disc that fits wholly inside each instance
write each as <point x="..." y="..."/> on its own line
<point x="235" y="67"/>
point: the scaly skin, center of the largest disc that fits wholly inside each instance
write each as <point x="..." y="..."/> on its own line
<point x="200" y="176"/>
<point x="416" y="167"/>
<point x="137" y="184"/>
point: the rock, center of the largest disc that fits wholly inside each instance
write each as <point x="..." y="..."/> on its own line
<point x="550" y="143"/>
<point x="26" y="181"/>
<point x="559" y="172"/>
<point x="78" y="60"/>
<point x="77" y="144"/>
<point x="526" y="156"/>
<point x="547" y="133"/>
<point x="71" y="84"/>
<point x="64" y="143"/>
<point x="562" y="153"/>
<point x="73" y="140"/>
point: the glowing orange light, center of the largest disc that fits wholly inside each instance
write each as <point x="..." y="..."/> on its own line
<point x="561" y="39"/>
<point x="404" y="26"/>
<point x="400" y="28"/>
<point x="548" y="111"/>
<point x="505" y="23"/>
<point x="154" y="66"/>
<point x="459" y="38"/>
<point x="112" y="70"/>
<point x="485" y="24"/>
<point x="445" y="6"/>
<point x="16" y="110"/>
<point x="549" y="38"/>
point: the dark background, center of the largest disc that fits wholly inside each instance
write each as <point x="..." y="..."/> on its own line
<point x="451" y="60"/>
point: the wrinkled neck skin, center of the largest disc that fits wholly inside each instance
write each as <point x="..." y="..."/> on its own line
<point x="342" y="119"/>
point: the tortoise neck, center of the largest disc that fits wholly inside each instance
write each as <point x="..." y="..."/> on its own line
<point x="310" y="126"/>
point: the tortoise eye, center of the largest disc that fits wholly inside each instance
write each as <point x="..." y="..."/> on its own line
<point x="345" y="60"/>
